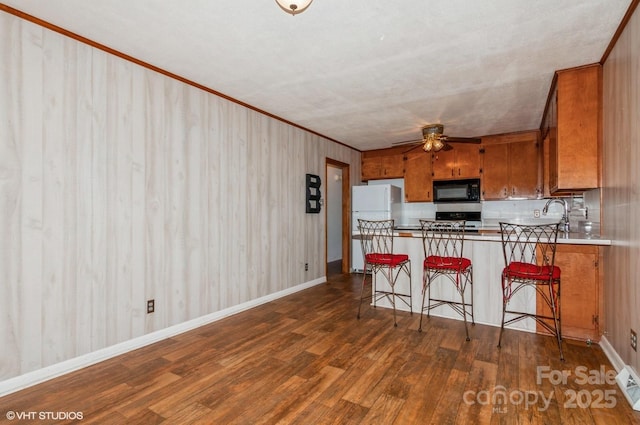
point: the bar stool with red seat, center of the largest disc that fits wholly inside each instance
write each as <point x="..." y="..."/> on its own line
<point x="443" y="242"/>
<point x="529" y="258"/>
<point x="376" y="237"/>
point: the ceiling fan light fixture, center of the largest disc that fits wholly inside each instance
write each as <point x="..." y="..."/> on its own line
<point x="437" y="144"/>
<point x="431" y="135"/>
<point x="294" y="7"/>
<point x="428" y="145"/>
<point x="432" y="143"/>
<point x="433" y="130"/>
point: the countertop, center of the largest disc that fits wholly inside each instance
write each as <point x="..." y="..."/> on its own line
<point x="493" y="234"/>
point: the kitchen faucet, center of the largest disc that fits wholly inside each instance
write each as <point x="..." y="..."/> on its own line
<point x="565" y="214"/>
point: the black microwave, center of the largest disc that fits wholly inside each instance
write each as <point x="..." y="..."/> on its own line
<point x="467" y="190"/>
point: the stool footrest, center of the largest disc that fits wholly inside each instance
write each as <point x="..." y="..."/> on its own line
<point x="538" y="318"/>
<point x="458" y="307"/>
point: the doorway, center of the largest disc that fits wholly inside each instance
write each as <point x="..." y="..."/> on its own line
<point x="337" y="207"/>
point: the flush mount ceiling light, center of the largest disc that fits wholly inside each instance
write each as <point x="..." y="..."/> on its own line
<point x="293" y="7"/>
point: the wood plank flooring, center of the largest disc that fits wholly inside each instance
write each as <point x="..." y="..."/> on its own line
<point x="306" y="359"/>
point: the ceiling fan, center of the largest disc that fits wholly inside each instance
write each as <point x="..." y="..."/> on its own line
<point x="434" y="140"/>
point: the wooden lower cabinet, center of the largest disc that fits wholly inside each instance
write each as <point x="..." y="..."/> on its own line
<point x="580" y="292"/>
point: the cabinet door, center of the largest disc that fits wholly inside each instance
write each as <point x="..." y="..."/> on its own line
<point x="443" y="164"/>
<point x="418" y="183"/>
<point x="545" y="165"/>
<point x="578" y="129"/>
<point x="553" y="146"/>
<point x="382" y="164"/>
<point x="510" y="166"/>
<point x="495" y="171"/>
<point x="467" y="160"/>
<point x="523" y="169"/>
<point x="461" y="162"/>
<point x="579" y="292"/>
<point x="392" y="166"/>
<point x="370" y="168"/>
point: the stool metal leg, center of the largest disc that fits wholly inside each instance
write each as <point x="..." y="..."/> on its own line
<point x="426" y="282"/>
<point x="364" y="278"/>
<point x="556" y="319"/>
<point x="464" y="312"/>
<point x="504" y="311"/>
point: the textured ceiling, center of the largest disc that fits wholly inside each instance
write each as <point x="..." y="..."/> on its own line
<point x="364" y="72"/>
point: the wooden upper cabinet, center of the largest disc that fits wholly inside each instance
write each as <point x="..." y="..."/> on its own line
<point x="467" y="160"/>
<point x="511" y="166"/>
<point x="546" y="169"/>
<point x="495" y="171"/>
<point x="573" y="128"/>
<point x="524" y="169"/>
<point x="461" y="162"/>
<point x="383" y="164"/>
<point x="392" y="166"/>
<point x="418" y="184"/>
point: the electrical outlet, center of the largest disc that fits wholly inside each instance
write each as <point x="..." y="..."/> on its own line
<point x="151" y="306"/>
<point x="306" y="267"/>
<point x="634" y="340"/>
<point x="536" y="213"/>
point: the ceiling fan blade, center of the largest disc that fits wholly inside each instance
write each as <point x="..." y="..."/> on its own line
<point x="408" y="142"/>
<point x="475" y="140"/>
<point x="415" y="146"/>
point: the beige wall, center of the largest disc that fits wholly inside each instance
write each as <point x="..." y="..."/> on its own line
<point x="621" y="191"/>
<point x="118" y="184"/>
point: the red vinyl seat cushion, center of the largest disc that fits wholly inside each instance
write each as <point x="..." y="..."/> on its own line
<point x="517" y="270"/>
<point x="391" y="260"/>
<point x="447" y="263"/>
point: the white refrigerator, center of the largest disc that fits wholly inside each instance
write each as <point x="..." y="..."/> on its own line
<point x="375" y="202"/>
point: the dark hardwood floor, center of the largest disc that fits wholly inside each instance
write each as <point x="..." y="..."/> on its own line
<point x="334" y="268"/>
<point x="306" y="359"/>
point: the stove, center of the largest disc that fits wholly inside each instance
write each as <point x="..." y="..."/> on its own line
<point x="473" y="219"/>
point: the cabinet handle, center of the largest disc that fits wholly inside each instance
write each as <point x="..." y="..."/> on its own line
<point x="452" y="172"/>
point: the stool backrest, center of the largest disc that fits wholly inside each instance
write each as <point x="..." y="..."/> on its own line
<point x="443" y="238"/>
<point x="376" y="236"/>
<point x="533" y="244"/>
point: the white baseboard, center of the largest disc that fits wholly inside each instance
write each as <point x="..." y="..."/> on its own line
<point x="28" y="379"/>
<point x="611" y="353"/>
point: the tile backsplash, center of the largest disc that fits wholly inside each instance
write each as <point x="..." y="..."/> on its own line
<point x="584" y="207"/>
<point x="495" y="211"/>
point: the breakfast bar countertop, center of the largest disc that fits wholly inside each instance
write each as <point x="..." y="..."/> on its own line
<point x="483" y="246"/>
<point x="493" y="234"/>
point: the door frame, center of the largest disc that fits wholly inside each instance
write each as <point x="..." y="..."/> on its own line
<point x="346" y="210"/>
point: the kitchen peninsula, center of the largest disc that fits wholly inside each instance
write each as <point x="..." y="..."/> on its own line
<point x="578" y="255"/>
